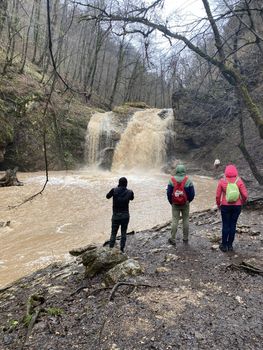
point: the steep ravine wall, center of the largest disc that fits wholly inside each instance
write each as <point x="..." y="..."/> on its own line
<point x="207" y="129"/>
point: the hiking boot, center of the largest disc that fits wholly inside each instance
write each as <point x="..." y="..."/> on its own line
<point x="122" y="250"/>
<point x="230" y="248"/>
<point x="172" y="241"/>
<point x="185" y="241"/>
<point x="223" y="248"/>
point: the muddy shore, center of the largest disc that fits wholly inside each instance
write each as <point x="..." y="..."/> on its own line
<point x="197" y="297"/>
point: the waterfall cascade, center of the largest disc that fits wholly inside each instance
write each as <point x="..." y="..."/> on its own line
<point x="98" y="136"/>
<point x="140" y="141"/>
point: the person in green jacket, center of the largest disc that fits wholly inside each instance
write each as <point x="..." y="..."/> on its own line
<point x="180" y="192"/>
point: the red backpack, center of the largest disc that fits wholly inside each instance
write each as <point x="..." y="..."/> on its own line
<point x="179" y="196"/>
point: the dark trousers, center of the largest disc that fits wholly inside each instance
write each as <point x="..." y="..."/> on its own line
<point x="119" y="220"/>
<point x="230" y="214"/>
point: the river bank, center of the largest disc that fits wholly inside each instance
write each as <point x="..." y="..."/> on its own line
<point x="73" y="211"/>
<point x="197" y="298"/>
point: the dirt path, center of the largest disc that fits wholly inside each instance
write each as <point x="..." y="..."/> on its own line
<point x="196" y="300"/>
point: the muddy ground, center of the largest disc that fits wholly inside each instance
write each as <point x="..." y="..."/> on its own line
<point x="197" y="298"/>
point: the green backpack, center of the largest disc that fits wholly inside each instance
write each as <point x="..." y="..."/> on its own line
<point x="232" y="192"/>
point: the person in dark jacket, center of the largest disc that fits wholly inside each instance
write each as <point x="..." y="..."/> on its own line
<point x="184" y="209"/>
<point x="120" y="217"/>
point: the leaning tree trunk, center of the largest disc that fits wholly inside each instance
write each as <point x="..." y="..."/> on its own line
<point x="242" y="146"/>
<point x="251" y="163"/>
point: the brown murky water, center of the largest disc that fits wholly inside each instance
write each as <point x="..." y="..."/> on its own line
<point x="73" y="212"/>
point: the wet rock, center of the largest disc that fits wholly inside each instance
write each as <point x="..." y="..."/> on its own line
<point x="254" y="233"/>
<point x="156" y="250"/>
<point x="5" y="223"/>
<point x="55" y="289"/>
<point x="125" y="269"/>
<point x="8" y="339"/>
<point x="106" y="157"/>
<point x="164" y="113"/>
<point x="81" y="250"/>
<point x="214" y="238"/>
<point x="101" y="259"/>
<point x="170" y="257"/>
<point x="162" y="269"/>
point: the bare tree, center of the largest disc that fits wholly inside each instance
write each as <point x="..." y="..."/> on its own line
<point x="24" y="53"/>
<point x="3" y="14"/>
<point x="139" y="16"/>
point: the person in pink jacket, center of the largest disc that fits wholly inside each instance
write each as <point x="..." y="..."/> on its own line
<point x="230" y="211"/>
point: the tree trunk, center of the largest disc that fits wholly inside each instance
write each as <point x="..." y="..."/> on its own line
<point x="256" y="173"/>
<point x="118" y="72"/>
<point x="27" y="39"/>
<point x="10" y="179"/>
<point x="251" y="163"/>
<point x="36" y="29"/>
<point x="3" y="10"/>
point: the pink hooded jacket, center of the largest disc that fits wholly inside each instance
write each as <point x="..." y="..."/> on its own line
<point x="230" y="176"/>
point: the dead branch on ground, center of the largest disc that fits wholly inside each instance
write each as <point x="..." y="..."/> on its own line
<point x="117" y="285"/>
<point x="244" y="266"/>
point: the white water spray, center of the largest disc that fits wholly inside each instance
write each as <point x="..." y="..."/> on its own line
<point x="143" y="143"/>
<point x="139" y="142"/>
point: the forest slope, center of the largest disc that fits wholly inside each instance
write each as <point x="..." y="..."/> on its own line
<point x="26" y="117"/>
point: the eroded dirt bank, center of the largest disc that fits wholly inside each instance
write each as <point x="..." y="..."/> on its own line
<point x="198" y="298"/>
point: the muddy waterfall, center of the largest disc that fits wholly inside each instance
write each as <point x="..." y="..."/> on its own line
<point x="141" y="140"/>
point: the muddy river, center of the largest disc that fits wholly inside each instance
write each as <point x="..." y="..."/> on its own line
<point x="73" y="211"/>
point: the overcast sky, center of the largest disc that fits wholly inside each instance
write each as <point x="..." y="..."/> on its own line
<point x="186" y="7"/>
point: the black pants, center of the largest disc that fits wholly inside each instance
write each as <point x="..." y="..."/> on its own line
<point x="230" y="214"/>
<point x="119" y="220"/>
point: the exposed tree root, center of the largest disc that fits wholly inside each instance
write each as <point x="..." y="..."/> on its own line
<point x="117" y="285"/>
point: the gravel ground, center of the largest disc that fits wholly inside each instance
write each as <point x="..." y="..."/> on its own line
<point x="197" y="298"/>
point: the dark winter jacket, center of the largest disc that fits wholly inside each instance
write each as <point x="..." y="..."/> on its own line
<point x="179" y="177"/>
<point x="121" y="197"/>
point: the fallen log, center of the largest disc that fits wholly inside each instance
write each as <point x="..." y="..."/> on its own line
<point x="254" y="203"/>
<point x="10" y="178"/>
<point x="247" y="268"/>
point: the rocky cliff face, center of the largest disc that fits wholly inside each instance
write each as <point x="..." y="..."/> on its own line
<point x="207" y="127"/>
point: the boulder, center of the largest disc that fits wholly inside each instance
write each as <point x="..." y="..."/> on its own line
<point x="106" y="156"/>
<point x="125" y="269"/>
<point x="101" y="259"/>
<point x="81" y="250"/>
